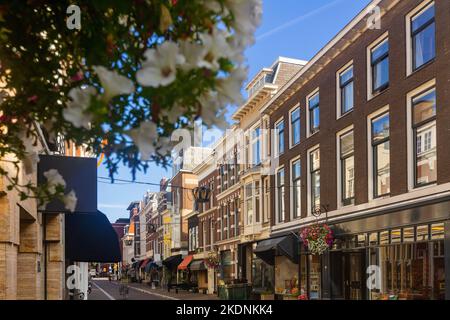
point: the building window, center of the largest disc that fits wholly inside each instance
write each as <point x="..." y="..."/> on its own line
<point x="346" y="90"/>
<point x="314" y="113"/>
<point x="279" y="131"/>
<point x="314" y="167"/>
<point x="423" y="38"/>
<point x="424" y="135"/>
<point x="211" y="197"/>
<point x="266" y="200"/>
<point x="296" y="189"/>
<point x="236" y="216"/>
<point x="347" y="159"/>
<point x="280" y="196"/>
<point x="227" y="208"/>
<point x="249" y="203"/>
<point x="222" y="177"/>
<point x="211" y="231"/>
<point x="247" y="151"/>
<point x="256" y="146"/>
<point x="381" y="155"/>
<point x="257" y="203"/>
<point x="295" y="127"/>
<point x="379" y="60"/>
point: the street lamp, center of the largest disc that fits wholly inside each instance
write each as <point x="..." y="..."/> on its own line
<point x="201" y="194"/>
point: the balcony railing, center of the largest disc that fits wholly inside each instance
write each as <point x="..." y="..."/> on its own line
<point x="264" y="78"/>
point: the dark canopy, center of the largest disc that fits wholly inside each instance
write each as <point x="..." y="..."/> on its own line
<point x="173" y="262"/>
<point x="91" y="238"/>
<point x="197" y="265"/>
<point x="80" y="175"/>
<point x="266" y="250"/>
<point x="152" y="265"/>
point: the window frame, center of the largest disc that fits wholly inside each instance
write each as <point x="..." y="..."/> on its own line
<point x="370" y="47"/>
<point x="266" y="202"/>
<point x="236" y="217"/>
<point x="422" y="28"/>
<point x="280" y="209"/>
<point x="415" y="127"/>
<point x="255" y="141"/>
<point x="374" y="145"/>
<point x="377" y="61"/>
<point x="279" y="133"/>
<point x="340" y="87"/>
<point x="409" y="37"/>
<point x="294" y="180"/>
<point x="311" y="171"/>
<point x="343" y="202"/>
<point x="293" y="122"/>
<point x="249" y="186"/>
<point x="309" y="111"/>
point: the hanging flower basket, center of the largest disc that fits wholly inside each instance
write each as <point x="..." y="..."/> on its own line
<point x="317" y="238"/>
<point x="212" y="261"/>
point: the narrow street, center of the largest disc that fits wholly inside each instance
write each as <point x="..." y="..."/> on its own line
<point x="106" y="290"/>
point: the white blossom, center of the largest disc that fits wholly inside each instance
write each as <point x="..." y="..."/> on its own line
<point x="229" y="88"/>
<point x="217" y="47"/>
<point x="54" y="179"/>
<point x="212" y="112"/>
<point x="164" y="146"/>
<point x="144" y="137"/>
<point x="113" y="83"/>
<point x="213" y="5"/>
<point x="76" y="110"/>
<point x="247" y="17"/>
<point x="31" y="154"/>
<point x="193" y="53"/>
<point x="160" y="65"/>
<point x="173" y="114"/>
<point x="70" y="201"/>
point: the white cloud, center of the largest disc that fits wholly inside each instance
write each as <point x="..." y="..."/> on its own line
<point x="297" y="20"/>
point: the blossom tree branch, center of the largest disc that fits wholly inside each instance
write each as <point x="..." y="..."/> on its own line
<point x="136" y="71"/>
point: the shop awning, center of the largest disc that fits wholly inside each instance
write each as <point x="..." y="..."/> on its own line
<point x="287" y="246"/>
<point x="173" y="261"/>
<point x="145" y="262"/>
<point x="153" y="265"/>
<point x="197" y="265"/>
<point x="89" y="237"/>
<point x="185" y="263"/>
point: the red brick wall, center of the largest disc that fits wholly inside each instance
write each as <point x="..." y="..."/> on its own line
<point x="395" y="96"/>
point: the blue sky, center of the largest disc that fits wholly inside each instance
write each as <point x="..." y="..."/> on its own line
<point x="290" y="28"/>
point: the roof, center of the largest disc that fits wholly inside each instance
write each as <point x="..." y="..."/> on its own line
<point x="133" y="204"/>
<point x="265" y="84"/>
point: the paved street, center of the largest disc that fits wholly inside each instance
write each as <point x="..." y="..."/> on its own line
<point x="109" y="290"/>
<point x="106" y="290"/>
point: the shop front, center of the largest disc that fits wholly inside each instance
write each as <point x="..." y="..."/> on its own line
<point x="226" y="267"/>
<point x="170" y="265"/>
<point x="401" y="255"/>
<point x="154" y="271"/>
<point x="183" y="272"/>
<point x="199" y="275"/>
<point x="275" y="268"/>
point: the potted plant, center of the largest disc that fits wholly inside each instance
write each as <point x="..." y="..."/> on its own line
<point x="317" y="238"/>
<point x="293" y="294"/>
<point x="212" y="261"/>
